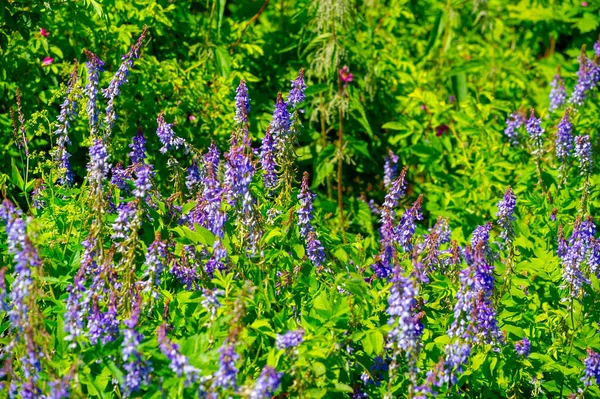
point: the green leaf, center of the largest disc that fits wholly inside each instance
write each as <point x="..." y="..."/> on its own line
<point x="223" y="61"/>
<point x="373" y="342"/>
<point x="459" y="86"/>
<point x="220" y="16"/>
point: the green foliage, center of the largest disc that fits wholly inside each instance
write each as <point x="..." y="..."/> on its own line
<point x="434" y="82"/>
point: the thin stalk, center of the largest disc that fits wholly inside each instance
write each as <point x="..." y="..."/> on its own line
<point x="339" y="173"/>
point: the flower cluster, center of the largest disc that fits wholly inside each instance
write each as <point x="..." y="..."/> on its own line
<point x="564" y="139"/>
<point x="226" y="376"/>
<point x="93" y="66"/>
<point x="390" y="168"/>
<point x="535" y="131"/>
<point x="513" y="123"/>
<point x="558" y="94"/>
<point x="574" y="253"/>
<point x="268" y="382"/>
<point x="267" y="162"/>
<point x="242" y="103"/>
<point x="587" y="79"/>
<point x="289" y="340"/>
<point x="506" y="218"/>
<point x="314" y="248"/>
<point x="592" y="369"/>
<point x="114" y="88"/>
<point x="167" y="136"/>
<point x="179" y="364"/>
<point x="583" y="153"/>
<point x="523" y="347"/>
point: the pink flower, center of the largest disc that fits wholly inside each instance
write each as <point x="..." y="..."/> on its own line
<point x="44" y="32"/>
<point x="47" y="61"/>
<point x="345" y="75"/>
<point x="192" y="118"/>
<point x="584" y="4"/>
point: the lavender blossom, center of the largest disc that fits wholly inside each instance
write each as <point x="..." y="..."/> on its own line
<point x="119" y="175"/>
<point x="4" y="305"/>
<point x="535" y="131"/>
<point x="396" y="191"/>
<point x="289" y="340"/>
<point x="68" y="110"/>
<point x="573" y="255"/>
<point x="103" y="327"/>
<point x="587" y="78"/>
<point x="506" y="218"/>
<point x="592" y="369"/>
<point x="137" y="371"/>
<point x="76" y="312"/>
<point x="242" y="103"/>
<point x="125" y="221"/>
<point x="583" y="152"/>
<point x="267" y="162"/>
<point x="268" y="382"/>
<point x="522" y="347"/>
<point x="513" y="123"/>
<point x="390" y="169"/>
<point x="114" y="88"/>
<point x="280" y="125"/>
<point x="406" y="228"/>
<point x="210" y="301"/>
<point x="564" y="138"/>
<point x="167" y="136"/>
<point x="406" y="331"/>
<point x="239" y="170"/>
<point x="314" y="249"/>
<point x="225" y="377"/>
<point x="138" y="148"/>
<point x="558" y="95"/>
<point x="156" y="260"/>
<point x="93" y="66"/>
<point x="98" y="165"/>
<point x="297" y="96"/>
<point x="305" y="216"/>
<point x="143" y="182"/>
<point x="179" y="364"/>
<point x="193" y="178"/>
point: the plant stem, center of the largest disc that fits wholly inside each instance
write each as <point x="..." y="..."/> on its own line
<point x="339" y="174"/>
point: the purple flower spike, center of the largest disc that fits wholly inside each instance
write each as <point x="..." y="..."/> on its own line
<point x="583" y="152"/>
<point x="267" y="384"/>
<point x="226" y="376"/>
<point x="406" y="228"/>
<point x="564" y="138"/>
<point x="513" y="123"/>
<point x="167" y="136"/>
<point x="522" y="347"/>
<point x="535" y="131"/>
<point x="506" y="218"/>
<point x="289" y="340"/>
<point x="592" y="369"/>
<point x="138" y="148"/>
<point x="558" y="94"/>
<point x="242" y="103"/>
<point x="93" y="66"/>
<point x="267" y="162"/>
<point x="297" y="96"/>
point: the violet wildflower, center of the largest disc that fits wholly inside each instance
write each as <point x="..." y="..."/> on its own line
<point x="4" y="305"/>
<point x="280" y="125"/>
<point x="193" y="178"/>
<point x="218" y="258"/>
<point x="138" y="148"/>
<point x="119" y="175"/>
<point x="125" y="221"/>
<point x="597" y="48"/>
<point x="267" y="162"/>
<point x="558" y="94"/>
<point x="587" y="78"/>
<point x="143" y="181"/>
<point x="305" y="216"/>
<point x="98" y="165"/>
<point x="481" y="236"/>
<point x="37" y="195"/>
<point x="242" y="103"/>
<point x="564" y="138"/>
<point x="103" y="327"/>
<point x="93" y="66"/>
<point x="268" y="382"/>
<point x="156" y="260"/>
<point x="289" y="340"/>
<point x="522" y="347"/>
<point x="535" y="131"/>
<point x="68" y="110"/>
<point x="167" y="136"/>
<point x="75" y="314"/>
<point x="506" y="218"/>
<point x="239" y="170"/>
<point x="513" y="123"/>
<point x="225" y="377"/>
<point x="583" y="152"/>
<point x="297" y="96"/>
<point x="406" y="228"/>
<point x="406" y="327"/>
<point x="210" y="301"/>
<point x="178" y="363"/>
<point x="114" y="88"/>
<point x="573" y="255"/>
<point x="396" y="191"/>
<point x="137" y="370"/>
<point x="314" y="249"/>
<point x="390" y="169"/>
<point x="592" y="369"/>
